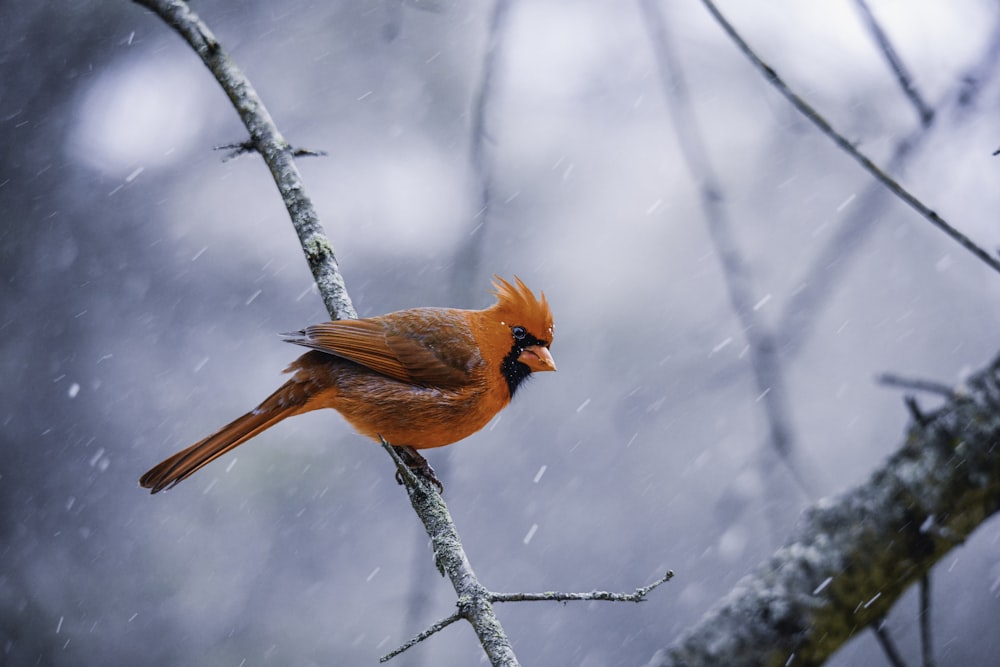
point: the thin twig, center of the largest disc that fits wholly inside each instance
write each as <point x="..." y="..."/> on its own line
<point x="819" y="121"/>
<point x="269" y="142"/>
<point x="480" y="135"/>
<point x="926" y="649"/>
<point x="888" y="646"/>
<point x="248" y="146"/>
<point x="436" y="627"/>
<point x="916" y="384"/>
<point x="915" y="412"/>
<point x="639" y="595"/>
<point x="763" y="351"/>
<point x="896" y="63"/>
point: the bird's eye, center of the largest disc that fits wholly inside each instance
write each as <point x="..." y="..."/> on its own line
<point x="519" y="332"/>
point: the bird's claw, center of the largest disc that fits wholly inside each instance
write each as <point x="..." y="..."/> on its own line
<point x="415" y="461"/>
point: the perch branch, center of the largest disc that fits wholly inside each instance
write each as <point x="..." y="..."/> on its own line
<point x="851" y="557"/>
<point x="268" y="141"/>
<point x="473" y="598"/>
<point x="824" y="126"/>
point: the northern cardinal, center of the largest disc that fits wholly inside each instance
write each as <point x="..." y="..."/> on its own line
<point x="418" y="378"/>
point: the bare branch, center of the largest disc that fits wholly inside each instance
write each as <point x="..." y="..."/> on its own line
<point x="916" y="414"/>
<point x="451" y="559"/>
<point x="888" y="646"/>
<point x="604" y="596"/>
<point x="269" y="142"/>
<point x="926" y="649"/>
<point x="469" y="254"/>
<point x="436" y="627"/>
<point x="850" y="235"/>
<point x="763" y="351"/>
<point x="916" y="384"/>
<point x="896" y="63"/>
<point x="639" y="595"/>
<point x="851" y="557"/>
<point x="248" y="146"/>
<point x="819" y="121"/>
<point x="473" y="598"/>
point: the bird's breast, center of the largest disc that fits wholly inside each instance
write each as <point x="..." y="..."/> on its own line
<point x="404" y="413"/>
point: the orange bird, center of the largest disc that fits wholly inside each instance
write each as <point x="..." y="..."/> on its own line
<point x="420" y="378"/>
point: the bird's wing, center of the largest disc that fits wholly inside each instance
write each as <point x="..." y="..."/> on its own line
<point x="431" y="347"/>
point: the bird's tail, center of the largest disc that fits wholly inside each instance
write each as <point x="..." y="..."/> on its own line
<point x="185" y="463"/>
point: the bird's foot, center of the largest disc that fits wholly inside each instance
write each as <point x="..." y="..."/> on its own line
<point x="415" y="461"/>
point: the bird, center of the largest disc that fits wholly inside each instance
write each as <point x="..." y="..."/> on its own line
<point x="417" y="378"/>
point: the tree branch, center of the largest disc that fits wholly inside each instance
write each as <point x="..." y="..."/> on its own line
<point x="268" y="141"/>
<point x="926" y="646"/>
<point x="765" y="364"/>
<point x="916" y="384"/>
<point x="819" y="121"/>
<point x="639" y="595"/>
<point x="903" y="76"/>
<point x="887" y="644"/>
<point x="852" y="557"/>
<point x="473" y="598"/>
<point x="410" y="643"/>
<point x="481" y="156"/>
<point x="850" y="235"/>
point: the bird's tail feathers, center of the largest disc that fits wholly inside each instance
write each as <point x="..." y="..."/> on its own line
<point x="185" y="463"/>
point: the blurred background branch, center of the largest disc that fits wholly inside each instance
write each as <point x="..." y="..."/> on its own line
<point x="853" y="556"/>
<point x="783" y="500"/>
<point x="903" y="76"/>
<point x="868" y="210"/>
<point x="819" y="121"/>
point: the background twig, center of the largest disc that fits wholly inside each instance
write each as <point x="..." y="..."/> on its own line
<point x="887" y="644"/>
<point x="851" y="234"/>
<point x="903" y="76"/>
<point x="926" y="630"/>
<point x="763" y="353"/>
<point x="819" y="121"/>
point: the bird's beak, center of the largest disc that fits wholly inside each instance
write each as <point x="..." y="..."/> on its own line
<point x="537" y="358"/>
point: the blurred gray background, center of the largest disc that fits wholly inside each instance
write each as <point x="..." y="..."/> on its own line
<point x="144" y="280"/>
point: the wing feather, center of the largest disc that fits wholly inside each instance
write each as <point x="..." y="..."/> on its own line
<point x="431" y="347"/>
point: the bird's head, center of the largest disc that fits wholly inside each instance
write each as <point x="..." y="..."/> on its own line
<point x="519" y="332"/>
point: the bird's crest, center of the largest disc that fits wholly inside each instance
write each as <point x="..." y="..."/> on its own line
<point x="517" y="301"/>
